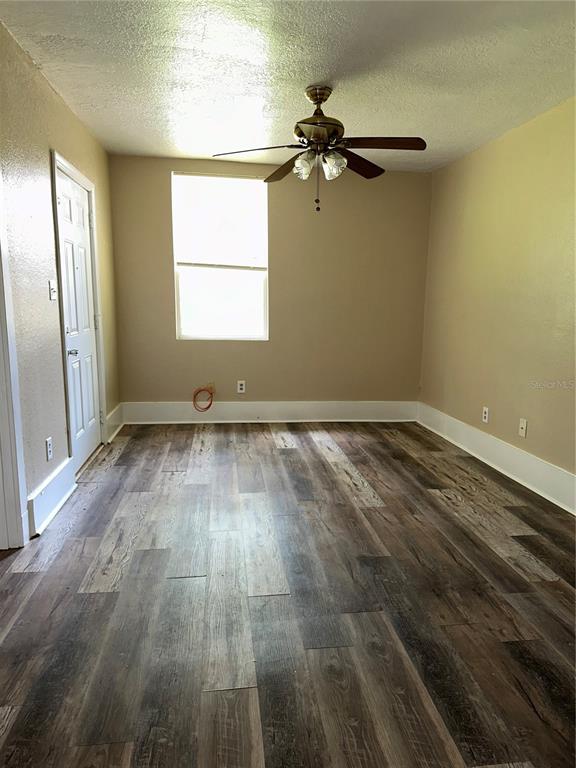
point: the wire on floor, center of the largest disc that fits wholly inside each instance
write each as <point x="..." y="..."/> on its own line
<point x="203" y="405"/>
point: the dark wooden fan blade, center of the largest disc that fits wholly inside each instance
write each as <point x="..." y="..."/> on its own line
<point x="361" y="165"/>
<point x="386" y="142"/>
<point x="259" y="149"/>
<point x="284" y="170"/>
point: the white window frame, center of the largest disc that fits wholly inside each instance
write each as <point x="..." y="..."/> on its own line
<point x="213" y="265"/>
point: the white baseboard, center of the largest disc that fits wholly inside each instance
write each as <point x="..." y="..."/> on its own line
<point x="552" y="482"/>
<point x="254" y="411"/>
<point x="114" y="423"/>
<point x="45" y="501"/>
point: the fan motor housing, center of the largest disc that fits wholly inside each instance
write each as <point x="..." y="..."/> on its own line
<point x="319" y="129"/>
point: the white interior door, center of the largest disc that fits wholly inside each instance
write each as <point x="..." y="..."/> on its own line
<point x="78" y="315"/>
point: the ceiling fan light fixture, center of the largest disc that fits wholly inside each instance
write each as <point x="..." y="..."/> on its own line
<point x="333" y="163"/>
<point x="304" y="164"/>
<point x="320" y="141"/>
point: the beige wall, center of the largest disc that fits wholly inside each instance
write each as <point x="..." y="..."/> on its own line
<point x="34" y="120"/>
<point x="499" y="322"/>
<point x="346" y="290"/>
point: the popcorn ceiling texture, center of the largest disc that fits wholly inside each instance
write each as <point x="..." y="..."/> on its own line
<point x="188" y="79"/>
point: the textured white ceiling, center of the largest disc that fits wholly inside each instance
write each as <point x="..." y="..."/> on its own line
<point x="195" y="78"/>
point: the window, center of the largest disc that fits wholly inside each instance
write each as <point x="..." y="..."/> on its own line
<point x="220" y="235"/>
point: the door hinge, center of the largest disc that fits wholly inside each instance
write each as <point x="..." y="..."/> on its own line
<point x="96" y="323"/>
<point x="101" y="418"/>
<point x="91" y="219"/>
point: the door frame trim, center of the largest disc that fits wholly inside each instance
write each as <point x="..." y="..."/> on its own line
<point x="59" y="163"/>
<point x="13" y="479"/>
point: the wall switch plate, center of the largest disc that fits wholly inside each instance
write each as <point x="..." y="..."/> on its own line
<point x="522" y="427"/>
<point x="52" y="290"/>
<point x="49" y="449"/>
<point x="240" y="386"/>
<point x="485" y="414"/>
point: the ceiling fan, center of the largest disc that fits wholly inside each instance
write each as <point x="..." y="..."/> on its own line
<point x="322" y="144"/>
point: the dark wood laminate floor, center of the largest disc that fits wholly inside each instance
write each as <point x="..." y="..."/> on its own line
<point x="323" y="595"/>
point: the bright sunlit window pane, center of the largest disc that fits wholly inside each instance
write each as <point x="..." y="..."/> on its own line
<point x="222" y="303"/>
<point x="220" y="228"/>
<point x="220" y="220"/>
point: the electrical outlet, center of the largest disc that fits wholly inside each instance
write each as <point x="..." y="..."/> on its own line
<point x="49" y="449"/>
<point x="522" y="427"/>
<point x="240" y="386"/>
<point x="485" y="414"/>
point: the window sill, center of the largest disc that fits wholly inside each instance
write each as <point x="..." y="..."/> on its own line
<point x="222" y="338"/>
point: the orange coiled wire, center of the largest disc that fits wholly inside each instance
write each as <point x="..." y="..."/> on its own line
<point x="205" y="405"/>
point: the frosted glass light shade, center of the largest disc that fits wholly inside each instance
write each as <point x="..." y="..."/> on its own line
<point x="304" y="165"/>
<point x="333" y="163"/>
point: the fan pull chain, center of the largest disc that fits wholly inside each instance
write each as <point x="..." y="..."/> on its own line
<point x="317" y="200"/>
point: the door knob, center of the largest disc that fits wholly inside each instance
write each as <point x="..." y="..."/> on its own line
<point x="73" y="352"/>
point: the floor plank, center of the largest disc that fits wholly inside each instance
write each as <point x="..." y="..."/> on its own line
<point x="559" y="562"/>
<point x="316" y="608"/>
<point x="202" y="458"/>
<point x="479" y="733"/>
<point x="228" y="654"/>
<point x="54" y="699"/>
<point x="353" y="482"/>
<point x="15" y="591"/>
<point x="225" y="511"/>
<point x="298" y="474"/>
<point x="496" y="536"/>
<point x="291" y="725"/>
<point x="410" y="729"/>
<point x="177" y="519"/>
<point x="351" y="733"/>
<point x="102" y="756"/>
<point x="557" y="527"/>
<point x="530" y="695"/>
<point x="550" y="625"/>
<point x="264" y="569"/>
<point x="119" y="543"/>
<point x="28" y="645"/>
<point x="230" y="730"/>
<point x="8" y="715"/>
<point x="178" y="457"/>
<point x="111" y="703"/>
<point x="167" y="731"/>
<point x="98" y="470"/>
